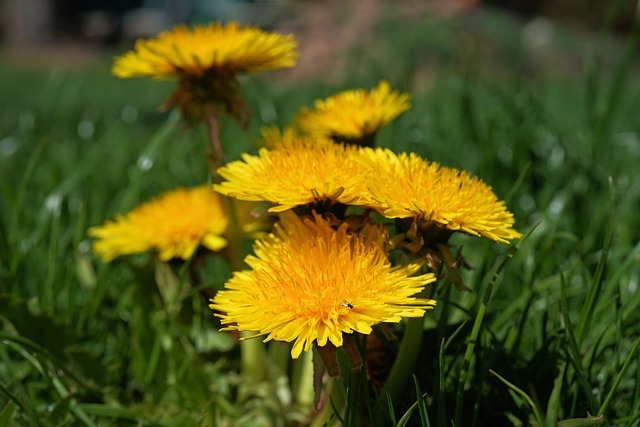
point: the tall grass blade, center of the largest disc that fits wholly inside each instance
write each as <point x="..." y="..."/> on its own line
<point x="588" y="308"/>
<point x="475" y="332"/>
<point x="554" y="403"/>
<point x="574" y="353"/>
<point x="422" y="406"/>
<point x="9" y="408"/>
<point x="6" y="412"/>
<point x="407" y="415"/>
<point x="13" y="228"/>
<point x="26" y="348"/>
<point x="536" y="411"/>
<point x="634" y="420"/>
<point x="582" y="422"/>
<point x="110" y="411"/>
<point x="392" y="413"/>
<point x="630" y="358"/>
<point x="517" y="183"/>
<point x="441" y="386"/>
<point x="148" y="156"/>
<point x="453" y="336"/>
<point x="52" y="377"/>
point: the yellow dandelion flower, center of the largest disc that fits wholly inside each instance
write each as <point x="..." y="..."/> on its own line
<point x="354" y="115"/>
<point x="272" y="136"/>
<point x="230" y="48"/>
<point x="207" y="59"/>
<point x="302" y="171"/>
<point x="407" y="186"/>
<point x="174" y="224"/>
<point x="311" y="283"/>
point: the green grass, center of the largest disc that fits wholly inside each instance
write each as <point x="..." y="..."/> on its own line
<point x="549" y="332"/>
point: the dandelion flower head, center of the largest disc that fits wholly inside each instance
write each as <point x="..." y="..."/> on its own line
<point x="272" y="137"/>
<point x="310" y="283"/>
<point x="408" y="186"/>
<point x="354" y="114"/>
<point x="174" y="224"/>
<point x="300" y="172"/>
<point x="229" y="48"/>
<point x="207" y="60"/>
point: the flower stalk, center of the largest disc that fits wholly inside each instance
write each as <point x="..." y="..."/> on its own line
<point x="253" y="352"/>
<point x="216" y="153"/>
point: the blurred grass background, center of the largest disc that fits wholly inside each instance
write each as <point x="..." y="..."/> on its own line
<point x="547" y="114"/>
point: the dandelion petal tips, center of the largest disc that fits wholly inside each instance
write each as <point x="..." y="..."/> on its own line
<point x="408" y="186"/>
<point x="231" y="48"/>
<point x="311" y="283"/>
<point x="173" y="224"/>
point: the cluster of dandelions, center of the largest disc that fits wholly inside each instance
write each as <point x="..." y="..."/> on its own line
<point x="322" y="274"/>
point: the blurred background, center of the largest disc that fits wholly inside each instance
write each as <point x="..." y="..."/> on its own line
<point x="73" y="26"/>
<point x="42" y="22"/>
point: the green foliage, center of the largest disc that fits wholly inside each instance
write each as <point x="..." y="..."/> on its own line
<point x="548" y="335"/>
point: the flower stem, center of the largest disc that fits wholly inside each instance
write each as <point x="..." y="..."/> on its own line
<point x="216" y="159"/>
<point x="406" y="359"/>
<point x="252" y="358"/>
<point x="216" y="155"/>
<point x="330" y="414"/>
<point x="253" y="354"/>
<point x="304" y="392"/>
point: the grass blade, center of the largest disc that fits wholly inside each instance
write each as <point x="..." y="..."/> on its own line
<point x="441" y="389"/>
<point x="7" y="410"/>
<point x="616" y="383"/>
<point x="582" y="422"/>
<point x="525" y="396"/>
<point x="392" y="413"/>
<point x="149" y="154"/>
<point x="422" y="406"/>
<point x="574" y="353"/>
<point x="475" y="332"/>
<point x="553" y="405"/>
<point x="407" y="415"/>
<point x="596" y="284"/>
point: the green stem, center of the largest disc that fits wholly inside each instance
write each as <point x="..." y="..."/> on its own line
<point x="216" y="155"/>
<point x="252" y="359"/>
<point x="253" y="354"/>
<point x="216" y="159"/>
<point x="330" y="413"/>
<point x="407" y="355"/>
<point x="235" y="238"/>
<point x="406" y="359"/>
<point x="304" y="392"/>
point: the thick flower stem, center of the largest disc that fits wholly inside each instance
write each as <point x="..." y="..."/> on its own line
<point x="252" y="359"/>
<point x="216" y="156"/>
<point x="406" y="359"/>
<point x="333" y="408"/>
<point x="253" y="353"/>
<point x="216" y="159"/>
<point x="304" y="392"/>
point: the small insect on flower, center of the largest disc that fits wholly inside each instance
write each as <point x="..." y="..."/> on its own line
<point x="346" y="304"/>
